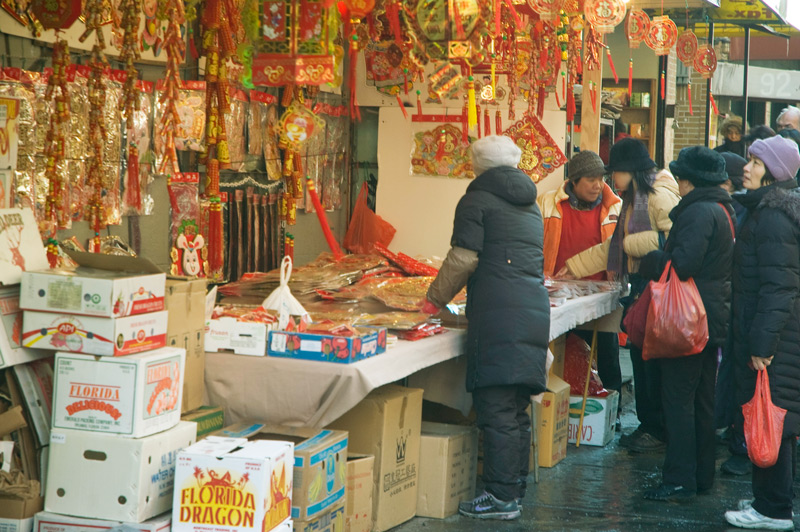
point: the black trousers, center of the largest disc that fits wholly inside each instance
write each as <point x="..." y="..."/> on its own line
<point x="506" y="425"/>
<point x="772" y="486"/>
<point x="647" y="393"/>
<point x="687" y="391"/>
<point x="607" y="358"/>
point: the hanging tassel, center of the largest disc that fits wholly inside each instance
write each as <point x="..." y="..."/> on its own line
<point x="52" y="252"/>
<point x="593" y="96"/>
<point x="540" y="102"/>
<point x="464" y="129"/>
<point x="611" y="64"/>
<point x="689" y="94"/>
<point x="517" y="20"/>
<point x="472" y="117"/>
<point x="494" y="83"/>
<point x="402" y="107"/>
<point x="323" y="220"/>
<point x="478" y="113"/>
<point x="355" y="112"/>
<point x="134" y="192"/>
<point x="571" y="106"/>
<point x="192" y="47"/>
<point x="663" y="85"/>
<point x="558" y="100"/>
<point x="419" y="104"/>
<point x="405" y="81"/>
<point x="563" y="85"/>
<point x="498" y="123"/>
<point x="713" y="103"/>
<point x="393" y="13"/>
<point x="487" y="126"/>
<point x="460" y="35"/>
<point x="497" y="8"/>
<point x="630" y="78"/>
<point x="441" y="145"/>
<point x="215" y="252"/>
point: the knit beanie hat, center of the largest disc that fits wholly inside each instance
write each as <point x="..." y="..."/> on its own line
<point x="734" y="165"/>
<point x="629" y="155"/>
<point x="780" y="156"/>
<point x="492" y="151"/>
<point x="586" y="164"/>
<point x="700" y="166"/>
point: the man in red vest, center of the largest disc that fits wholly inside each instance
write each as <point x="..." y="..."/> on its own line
<point x="579" y="219"/>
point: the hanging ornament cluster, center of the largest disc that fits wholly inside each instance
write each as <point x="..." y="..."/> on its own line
<point x="353" y="11"/>
<point x="176" y="48"/>
<point x="546" y="9"/>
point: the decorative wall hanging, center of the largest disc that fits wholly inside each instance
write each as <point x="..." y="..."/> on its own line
<point x="604" y="15"/>
<point x="294" y="43"/>
<point x="636" y="27"/>
<point x="541" y="155"/>
<point x="687" y="47"/>
<point x="189" y="252"/>
<point x="56" y="14"/>
<point x="662" y="35"/>
<point x="441" y="151"/>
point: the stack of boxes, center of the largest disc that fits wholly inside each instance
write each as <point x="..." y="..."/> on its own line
<point x="116" y="428"/>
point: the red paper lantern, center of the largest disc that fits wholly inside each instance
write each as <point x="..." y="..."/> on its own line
<point x="604" y="15"/>
<point x="637" y="26"/>
<point x="56" y="14"/>
<point x="705" y="61"/>
<point x="687" y="47"/>
<point x="546" y="9"/>
<point x="662" y="35"/>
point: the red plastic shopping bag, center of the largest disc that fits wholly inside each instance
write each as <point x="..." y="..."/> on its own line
<point x="676" y="319"/>
<point x="763" y="424"/>
<point x="635" y="320"/>
<point x="366" y="227"/>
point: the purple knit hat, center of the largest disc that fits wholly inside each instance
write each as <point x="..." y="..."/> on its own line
<point x="781" y="156"/>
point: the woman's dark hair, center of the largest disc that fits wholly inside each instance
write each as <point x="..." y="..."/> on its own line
<point x="643" y="179"/>
<point x="767" y="178"/>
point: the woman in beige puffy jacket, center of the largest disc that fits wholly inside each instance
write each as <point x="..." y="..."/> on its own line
<point x="648" y="195"/>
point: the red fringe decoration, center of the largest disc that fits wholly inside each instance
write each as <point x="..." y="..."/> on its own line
<point x="540" y="102"/>
<point x="593" y="96"/>
<point x="713" y="103"/>
<point x="689" y="91"/>
<point x="419" y="105"/>
<point x="393" y="13"/>
<point x="355" y="112"/>
<point x="464" y="129"/>
<point x="133" y="191"/>
<point x="497" y="9"/>
<point x="478" y="114"/>
<point x="630" y="78"/>
<point x="517" y="20"/>
<point x="570" y="106"/>
<point x="663" y="86"/>
<point x="487" y="126"/>
<point x="498" y="123"/>
<point x="402" y="107"/>
<point x="458" y="22"/>
<point x="611" y="64"/>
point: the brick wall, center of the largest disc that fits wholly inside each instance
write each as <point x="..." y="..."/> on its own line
<point x="689" y="130"/>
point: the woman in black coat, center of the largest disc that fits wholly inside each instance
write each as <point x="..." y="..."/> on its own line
<point x="700" y="247"/>
<point x="497" y="252"/>
<point x="766" y="307"/>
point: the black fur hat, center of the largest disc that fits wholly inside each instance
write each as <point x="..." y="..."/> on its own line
<point x="700" y="166"/>
<point x="629" y="155"/>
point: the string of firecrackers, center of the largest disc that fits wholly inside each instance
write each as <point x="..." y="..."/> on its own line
<point x="130" y="103"/>
<point x="176" y="48"/>
<point x="574" y="49"/>
<point x="57" y="95"/>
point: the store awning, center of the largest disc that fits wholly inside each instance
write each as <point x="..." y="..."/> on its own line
<point x="770" y="16"/>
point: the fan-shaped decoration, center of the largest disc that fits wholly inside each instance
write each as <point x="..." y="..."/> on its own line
<point x="687" y="47"/>
<point x="705" y="62"/>
<point x="636" y="27"/>
<point x="604" y="15"/>
<point x="662" y="35"/>
<point x="546" y="9"/>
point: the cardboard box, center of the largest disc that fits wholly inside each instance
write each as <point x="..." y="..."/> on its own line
<point x="16" y="525"/>
<point x="108" y="286"/>
<point x="94" y="336"/>
<point x="448" y="460"/>
<point x="386" y="424"/>
<point x="20" y="244"/>
<point x="103" y="476"/>
<point x="185" y="301"/>
<point x="358" y="508"/>
<point x="598" y="421"/>
<point x="11" y="350"/>
<point x="552" y="415"/>
<point x="327" y="348"/>
<point x="16" y="508"/>
<point x="320" y="458"/>
<point x="558" y="349"/>
<point x="209" y="419"/>
<point x="331" y="521"/>
<point x="35" y="381"/>
<point x="231" y="484"/>
<point x="242" y="338"/>
<point x="132" y="396"/>
<point x="50" y="522"/>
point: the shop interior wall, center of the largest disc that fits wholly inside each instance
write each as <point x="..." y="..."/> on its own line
<point x="154" y="229"/>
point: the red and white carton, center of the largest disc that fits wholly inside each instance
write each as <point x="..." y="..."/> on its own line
<point x="50" y="522"/>
<point x="103" y="476"/>
<point x="94" y="336"/>
<point x="106" y="286"/>
<point x="233" y="485"/>
<point x="132" y="396"/>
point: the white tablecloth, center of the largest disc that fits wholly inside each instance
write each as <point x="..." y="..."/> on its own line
<point x="304" y="393"/>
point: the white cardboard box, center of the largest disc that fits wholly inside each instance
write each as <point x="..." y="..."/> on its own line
<point x="20" y="245"/>
<point x="233" y="485"/>
<point x="50" y="522"/>
<point x="240" y="337"/>
<point x="104" y="285"/>
<point x="134" y="396"/>
<point x="598" y="421"/>
<point x="16" y="525"/>
<point x="94" y="336"/>
<point x="11" y="350"/>
<point x="103" y="476"/>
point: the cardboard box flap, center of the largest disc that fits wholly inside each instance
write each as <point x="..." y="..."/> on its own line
<point x="556" y="384"/>
<point x="12" y="420"/>
<point x="215" y="446"/>
<point x="119" y="263"/>
<point x="429" y="428"/>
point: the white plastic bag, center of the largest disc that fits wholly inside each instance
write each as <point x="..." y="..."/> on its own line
<point x="282" y="300"/>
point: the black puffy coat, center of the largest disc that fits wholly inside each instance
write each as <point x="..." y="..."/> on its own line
<point x="700" y="246"/>
<point x="507" y="303"/>
<point x="766" y="295"/>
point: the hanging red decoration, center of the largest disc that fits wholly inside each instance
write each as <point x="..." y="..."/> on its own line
<point x="546" y="9"/>
<point x="689" y="95"/>
<point x="56" y="14"/>
<point x="705" y="61"/>
<point x="687" y="47"/>
<point x="636" y="28"/>
<point x="540" y="152"/>
<point x="594" y="43"/>
<point x="604" y="15"/>
<point x="662" y="35"/>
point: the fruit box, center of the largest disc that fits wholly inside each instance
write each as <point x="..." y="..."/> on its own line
<point x="598" y="420"/>
<point x="132" y="396"/>
<point x="326" y="347"/>
<point x="92" y="335"/>
<point x="233" y="485"/>
<point x="104" y="285"/>
<point x="50" y="522"/>
<point x="240" y="337"/>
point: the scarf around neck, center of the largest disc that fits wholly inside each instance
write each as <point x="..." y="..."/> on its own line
<point x="639" y="221"/>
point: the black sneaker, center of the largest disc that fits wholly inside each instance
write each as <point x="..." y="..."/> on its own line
<point x="737" y="465"/>
<point x="626" y="439"/>
<point x="487" y="506"/>
<point x="669" y="493"/>
<point x="647" y="443"/>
